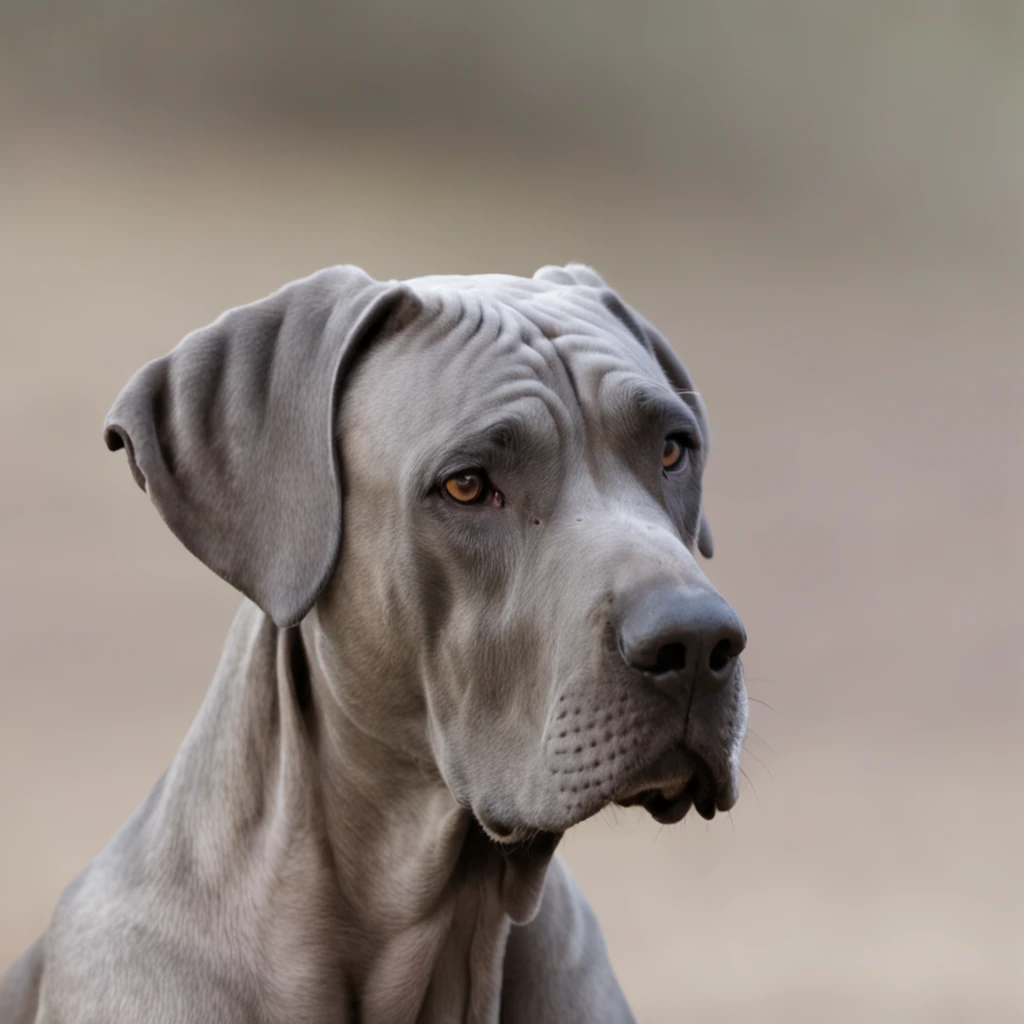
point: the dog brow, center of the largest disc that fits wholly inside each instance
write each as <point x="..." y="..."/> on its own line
<point x="651" y="400"/>
<point x="509" y="434"/>
<point x="506" y="437"/>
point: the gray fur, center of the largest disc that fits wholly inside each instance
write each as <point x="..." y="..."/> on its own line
<point x="408" y="714"/>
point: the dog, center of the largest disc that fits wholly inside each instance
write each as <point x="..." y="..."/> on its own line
<point x="463" y="512"/>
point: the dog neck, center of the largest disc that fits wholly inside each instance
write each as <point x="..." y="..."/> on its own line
<point x="366" y="884"/>
<point x="430" y="894"/>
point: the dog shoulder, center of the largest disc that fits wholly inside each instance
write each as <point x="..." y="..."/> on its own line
<point x="118" y="950"/>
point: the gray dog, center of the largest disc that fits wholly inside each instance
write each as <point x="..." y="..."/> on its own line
<point x="501" y="632"/>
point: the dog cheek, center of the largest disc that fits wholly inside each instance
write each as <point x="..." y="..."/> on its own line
<point x="489" y="697"/>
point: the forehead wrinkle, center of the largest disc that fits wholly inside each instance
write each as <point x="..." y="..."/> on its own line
<point x="571" y="395"/>
<point x="442" y="314"/>
<point x="601" y="314"/>
<point x="490" y="367"/>
<point x="563" y="398"/>
<point x="554" y="307"/>
<point x="513" y="355"/>
<point x="590" y="360"/>
<point x="539" y="400"/>
<point x="465" y="327"/>
<point x="620" y="392"/>
<point x="560" y="339"/>
<point x="545" y="330"/>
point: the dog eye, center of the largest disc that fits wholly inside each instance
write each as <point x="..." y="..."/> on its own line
<point x="467" y="487"/>
<point x="674" y="454"/>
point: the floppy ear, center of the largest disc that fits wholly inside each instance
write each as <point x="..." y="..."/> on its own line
<point x="232" y="434"/>
<point x="571" y="273"/>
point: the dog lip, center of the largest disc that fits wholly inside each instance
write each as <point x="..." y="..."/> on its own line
<point x="668" y="798"/>
<point x="667" y="809"/>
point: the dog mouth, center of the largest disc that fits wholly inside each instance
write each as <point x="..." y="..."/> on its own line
<point x="678" y="782"/>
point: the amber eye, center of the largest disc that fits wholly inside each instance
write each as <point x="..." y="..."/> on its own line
<point x="673" y="455"/>
<point x="466" y="487"/>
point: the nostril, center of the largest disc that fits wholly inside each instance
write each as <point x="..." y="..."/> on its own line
<point x="681" y="636"/>
<point x="671" y="658"/>
<point x="721" y="655"/>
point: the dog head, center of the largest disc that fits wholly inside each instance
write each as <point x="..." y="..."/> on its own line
<point x="485" y="495"/>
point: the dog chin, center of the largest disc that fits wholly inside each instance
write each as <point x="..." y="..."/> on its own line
<point x="679" y="781"/>
<point x="504" y="833"/>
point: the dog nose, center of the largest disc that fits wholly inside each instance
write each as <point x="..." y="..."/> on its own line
<point x="682" y="636"/>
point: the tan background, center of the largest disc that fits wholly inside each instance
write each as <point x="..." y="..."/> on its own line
<point x="820" y="204"/>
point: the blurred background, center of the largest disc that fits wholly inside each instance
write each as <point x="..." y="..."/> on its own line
<point x="821" y="204"/>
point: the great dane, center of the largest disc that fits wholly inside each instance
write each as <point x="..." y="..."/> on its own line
<point x="463" y="511"/>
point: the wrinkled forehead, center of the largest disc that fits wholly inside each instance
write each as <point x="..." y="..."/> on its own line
<point x="538" y="349"/>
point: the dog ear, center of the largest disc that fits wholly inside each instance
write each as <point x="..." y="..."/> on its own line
<point x="705" y="542"/>
<point x="233" y="434"/>
<point x="571" y="273"/>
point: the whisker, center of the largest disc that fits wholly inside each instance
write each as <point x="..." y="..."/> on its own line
<point x="731" y="822"/>
<point x="758" y="760"/>
<point x="764" y="703"/>
<point x="613" y="825"/>
<point x="758" y="736"/>
<point x="752" y="786"/>
<point x="759" y="679"/>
